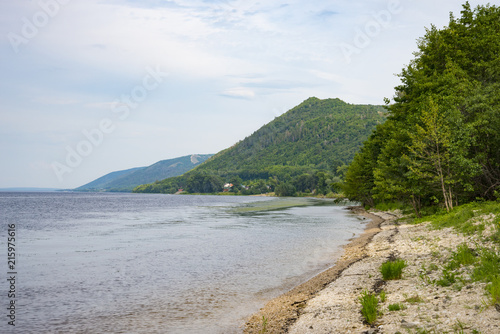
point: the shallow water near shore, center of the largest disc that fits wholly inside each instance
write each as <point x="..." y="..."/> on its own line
<point x="138" y="263"/>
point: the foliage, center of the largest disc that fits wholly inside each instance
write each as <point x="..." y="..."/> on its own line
<point x="285" y="189"/>
<point x="494" y="289"/>
<point x="396" y="307"/>
<point x="461" y="257"/>
<point x="441" y="140"/>
<point x="204" y="183"/>
<point x="369" y="305"/>
<point x="393" y="269"/>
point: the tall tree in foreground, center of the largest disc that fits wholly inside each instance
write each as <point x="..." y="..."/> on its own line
<point x="442" y="137"/>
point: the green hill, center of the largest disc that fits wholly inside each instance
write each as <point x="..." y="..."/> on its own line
<point x="317" y="135"/>
<point x="127" y="180"/>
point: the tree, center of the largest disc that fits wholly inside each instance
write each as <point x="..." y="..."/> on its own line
<point x="204" y="183"/>
<point x="285" y="189"/>
<point x="441" y="138"/>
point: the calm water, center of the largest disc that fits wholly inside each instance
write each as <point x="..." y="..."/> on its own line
<point x="136" y="263"/>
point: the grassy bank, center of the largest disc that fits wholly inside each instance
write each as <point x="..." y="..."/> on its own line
<point x="454" y="269"/>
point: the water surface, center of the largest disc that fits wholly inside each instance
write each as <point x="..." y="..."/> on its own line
<point x="139" y="263"/>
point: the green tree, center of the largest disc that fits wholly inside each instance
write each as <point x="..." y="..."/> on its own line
<point x="285" y="189"/>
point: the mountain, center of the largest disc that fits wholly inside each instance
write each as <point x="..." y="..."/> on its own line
<point x="317" y="135"/>
<point x="126" y="180"/>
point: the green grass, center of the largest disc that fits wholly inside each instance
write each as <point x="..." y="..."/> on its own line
<point x="414" y="299"/>
<point x="447" y="279"/>
<point x="382" y="295"/>
<point x="488" y="266"/>
<point x="460" y="217"/>
<point x="393" y="269"/>
<point x="264" y="325"/>
<point x="494" y="289"/>
<point x="369" y="306"/>
<point x="396" y="307"/>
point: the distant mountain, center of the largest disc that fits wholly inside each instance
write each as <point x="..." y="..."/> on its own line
<point x="127" y="180"/>
<point x="317" y="135"/>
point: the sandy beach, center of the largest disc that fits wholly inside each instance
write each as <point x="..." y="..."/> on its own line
<point x="329" y="303"/>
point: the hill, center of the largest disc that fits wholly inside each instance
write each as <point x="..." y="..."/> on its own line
<point x="317" y="135"/>
<point x="127" y="180"/>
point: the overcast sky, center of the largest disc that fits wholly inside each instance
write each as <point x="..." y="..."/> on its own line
<point x="93" y="86"/>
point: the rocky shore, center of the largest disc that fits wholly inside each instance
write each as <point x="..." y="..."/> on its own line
<point x="329" y="303"/>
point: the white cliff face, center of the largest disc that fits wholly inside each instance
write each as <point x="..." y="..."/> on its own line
<point x="194" y="159"/>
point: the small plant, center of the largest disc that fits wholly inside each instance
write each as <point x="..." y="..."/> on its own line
<point x="396" y="307"/>
<point x="264" y="325"/>
<point x="382" y="295"/>
<point x="393" y="269"/>
<point x="494" y="289"/>
<point x="459" y="327"/>
<point x="433" y="267"/>
<point x="414" y="299"/>
<point x="462" y="256"/>
<point x="448" y="279"/>
<point x="488" y="267"/>
<point x="369" y="305"/>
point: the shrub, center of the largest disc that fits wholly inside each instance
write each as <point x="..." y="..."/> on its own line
<point x="369" y="305"/>
<point x="393" y="269"/>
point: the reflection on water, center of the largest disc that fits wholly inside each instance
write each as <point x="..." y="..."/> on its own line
<point x="134" y="263"/>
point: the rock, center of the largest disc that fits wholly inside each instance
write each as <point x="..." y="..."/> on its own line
<point x="406" y="324"/>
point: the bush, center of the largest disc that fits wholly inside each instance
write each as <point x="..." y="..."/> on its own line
<point x="285" y="189"/>
<point x="369" y="304"/>
<point x="393" y="269"/>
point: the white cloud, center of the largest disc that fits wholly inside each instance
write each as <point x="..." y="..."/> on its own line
<point x="239" y="92"/>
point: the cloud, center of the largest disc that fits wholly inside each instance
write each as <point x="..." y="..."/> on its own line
<point x="239" y="93"/>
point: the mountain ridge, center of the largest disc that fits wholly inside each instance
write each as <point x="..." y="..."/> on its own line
<point x="126" y="180"/>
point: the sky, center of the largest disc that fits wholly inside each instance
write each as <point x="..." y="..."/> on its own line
<point x="88" y="87"/>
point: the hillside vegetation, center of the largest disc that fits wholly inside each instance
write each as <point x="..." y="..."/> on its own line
<point x="302" y="150"/>
<point x="441" y="142"/>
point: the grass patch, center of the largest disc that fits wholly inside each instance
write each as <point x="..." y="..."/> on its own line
<point x="393" y="269"/>
<point x="494" y="290"/>
<point x="414" y="299"/>
<point x="447" y="279"/>
<point x="369" y="307"/>
<point x="382" y="295"/>
<point x="463" y="256"/>
<point x="488" y="266"/>
<point x="396" y="307"/>
<point x="460" y="217"/>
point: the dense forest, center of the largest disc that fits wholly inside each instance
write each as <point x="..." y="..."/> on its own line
<point x="440" y="144"/>
<point x="305" y="150"/>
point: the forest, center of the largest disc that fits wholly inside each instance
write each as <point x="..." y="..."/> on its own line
<point x="440" y="145"/>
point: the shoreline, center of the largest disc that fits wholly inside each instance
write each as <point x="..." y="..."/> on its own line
<point x="428" y="298"/>
<point x="283" y="311"/>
